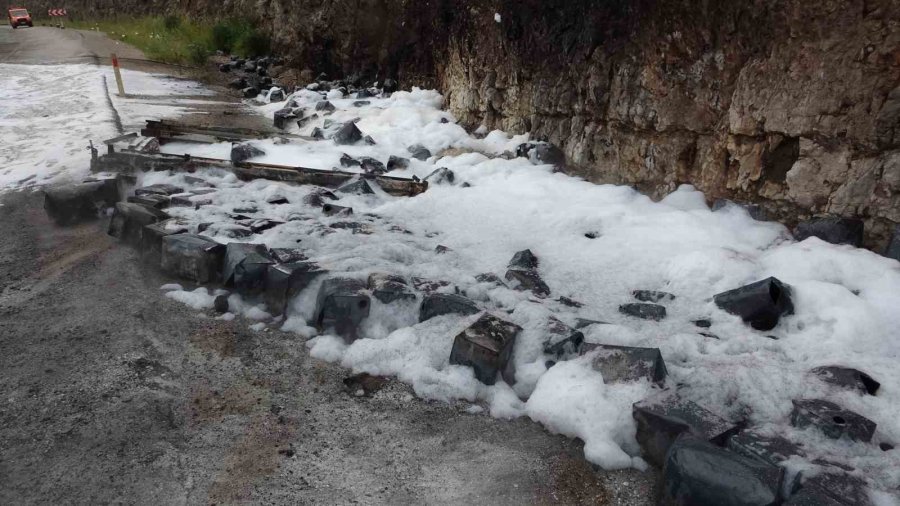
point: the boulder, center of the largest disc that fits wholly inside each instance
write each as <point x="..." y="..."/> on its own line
<point x="524" y="259"/>
<point x="619" y="364"/>
<point x="333" y="210"/>
<point x="342" y="303"/>
<point x="848" y="378"/>
<point x="437" y="304"/>
<point x="282" y="116"/>
<point x="128" y="221"/>
<point x="347" y="134"/>
<point x="192" y="257"/>
<point x="660" y="419"/>
<point x="371" y="165"/>
<point x="832" y="229"/>
<point x="389" y="288"/>
<point x="152" y="236"/>
<point x="486" y="346"/>
<point x="358" y="187"/>
<point x="644" y="310"/>
<point x="697" y="472"/>
<point x="397" y="163"/>
<point x="70" y="204"/>
<point x="832" y="420"/>
<point x="285" y="280"/>
<point x="246" y="266"/>
<point x="325" y="106"/>
<point x="562" y="342"/>
<point x="652" y="296"/>
<point x="759" y="304"/>
<point x="419" y="152"/>
<point x="243" y="152"/>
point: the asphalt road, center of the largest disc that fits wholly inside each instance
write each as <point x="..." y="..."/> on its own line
<point x="115" y="394"/>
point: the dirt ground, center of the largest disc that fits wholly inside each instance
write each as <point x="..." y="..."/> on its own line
<point x="115" y="394"/>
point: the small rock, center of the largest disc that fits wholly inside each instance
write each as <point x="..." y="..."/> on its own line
<point x="893" y="249"/>
<point x="349" y="161"/>
<point x="277" y="200"/>
<point x="419" y="152"/>
<point x="389" y="288"/>
<point x="317" y="133"/>
<point x="325" y="106"/>
<point x="441" y="249"/>
<point x="342" y="303"/>
<point x="563" y="342"/>
<point x="524" y="259"/>
<point x="244" y="152"/>
<point x="528" y="280"/>
<point x="250" y="92"/>
<point x="333" y="210"/>
<point x="361" y="103"/>
<point x="366" y="382"/>
<point x="277" y="95"/>
<point x="703" y="324"/>
<point x="441" y="175"/>
<point x="397" y="163"/>
<point x="369" y="140"/>
<point x="652" y="296"/>
<point x="371" y="165"/>
<point x="619" y="364"/>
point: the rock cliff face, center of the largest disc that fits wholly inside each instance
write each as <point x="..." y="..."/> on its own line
<point x="791" y="104"/>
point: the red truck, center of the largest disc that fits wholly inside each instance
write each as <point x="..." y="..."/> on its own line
<point x="18" y="16"/>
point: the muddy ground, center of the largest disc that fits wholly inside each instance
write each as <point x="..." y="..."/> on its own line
<point x="113" y="393"/>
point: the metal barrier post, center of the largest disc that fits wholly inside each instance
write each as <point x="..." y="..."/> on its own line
<point x="119" y="83"/>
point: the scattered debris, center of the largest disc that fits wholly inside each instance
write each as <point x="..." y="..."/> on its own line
<point x="760" y="304"/>
<point x="486" y="346"/>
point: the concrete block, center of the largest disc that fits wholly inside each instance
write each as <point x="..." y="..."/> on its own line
<point x="620" y="364"/>
<point x="644" y="310"/>
<point x="284" y="281"/>
<point x="245" y="267"/>
<point x="486" y="346"/>
<point x="834" y="421"/>
<point x="389" y="288"/>
<point x="192" y="257"/>
<point x="128" y="221"/>
<point x="342" y="303"/>
<point x="760" y="304"/>
<point x="437" y="304"/>
<point x="847" y="378"/>
<point x="151" y="239"/>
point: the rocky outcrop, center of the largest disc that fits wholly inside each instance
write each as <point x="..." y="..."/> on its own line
<point x="791" y="104"/>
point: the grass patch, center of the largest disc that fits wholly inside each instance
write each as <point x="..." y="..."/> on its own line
<point x="174" y="39"/>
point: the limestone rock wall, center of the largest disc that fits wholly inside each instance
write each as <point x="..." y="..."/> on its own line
<point x="792" y="104"/>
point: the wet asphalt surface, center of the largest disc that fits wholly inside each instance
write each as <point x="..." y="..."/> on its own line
<point x="113" y="393"/>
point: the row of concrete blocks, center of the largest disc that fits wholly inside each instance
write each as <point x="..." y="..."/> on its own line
<point x="707" y="460"/>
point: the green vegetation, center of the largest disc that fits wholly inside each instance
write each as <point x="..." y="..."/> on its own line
<point x="174" y="39"/>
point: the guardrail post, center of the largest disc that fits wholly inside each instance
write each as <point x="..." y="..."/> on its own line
<point x="119" y="83"/>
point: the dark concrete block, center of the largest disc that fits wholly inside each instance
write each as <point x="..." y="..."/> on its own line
<point x="325" y="106"/>
<point x="832" y="229"/>
<point x="342" y="303"/>
<point x="662" y="418"/>
<point x="850" y="379"/>
<point x="128" y="221"/>
<point x="699" y="473"/>
<point x="772" y="450"/>
<point x="759" y="304"/>
<point x="441" y="175"/>
<point x="192" y="257"/>
<point x="372" y="166"/>
<point x="643" y="310"/>
<point x="285" y="281"/>
<point x="893" y="248"/>
<point x="833" y="420"/>
<point x="836" y="486"/>
<point x="220" y="304"/>
<point x="349" y="161"/>
<point x="151" y="240"/>
<point x="73" y="203"/>
<point x="282" y="117"/>
<point x="287" y="255"/>
<point x="151" y="200"/>
<point x="245" y="267"/>
<point x="419" y="152"/>
<point x="619" y="364"/>
<point x="437" y="304"/>
<point x="397" y="163"/>
<point x="563" y="342"/>
<point x="486" y="346"/>
<point x="389" y="288"/>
